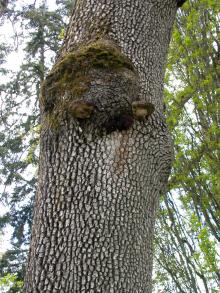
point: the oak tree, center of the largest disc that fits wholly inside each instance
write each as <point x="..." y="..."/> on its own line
<point x="105" y="150"/>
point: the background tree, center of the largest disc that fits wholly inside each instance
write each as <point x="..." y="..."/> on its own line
<point x="189" y="215"/>
<point x="37" y="35"/>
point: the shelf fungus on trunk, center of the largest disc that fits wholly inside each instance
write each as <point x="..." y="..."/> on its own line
<point x="96" y="82"/>
<point x="142" y="110"/>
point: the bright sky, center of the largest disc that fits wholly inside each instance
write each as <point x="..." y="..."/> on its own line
<point x="13" y="63"/>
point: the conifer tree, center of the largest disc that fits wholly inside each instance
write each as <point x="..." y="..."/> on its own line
<point x="38" y="31"/>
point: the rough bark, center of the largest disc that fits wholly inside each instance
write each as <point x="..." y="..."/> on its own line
<point x="3" y="6"/>
<point x="103" y="164"/>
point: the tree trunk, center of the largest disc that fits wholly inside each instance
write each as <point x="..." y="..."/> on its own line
<point x="105" y="155"/>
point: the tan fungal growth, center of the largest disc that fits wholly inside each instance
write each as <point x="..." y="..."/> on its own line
<point x="80" y="109"/>
<point x="142" y="110"/>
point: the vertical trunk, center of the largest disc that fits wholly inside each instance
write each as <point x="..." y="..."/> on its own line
<point x="102" y="163"/>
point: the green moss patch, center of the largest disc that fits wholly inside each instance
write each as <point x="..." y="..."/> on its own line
<point x="71" y="74"/>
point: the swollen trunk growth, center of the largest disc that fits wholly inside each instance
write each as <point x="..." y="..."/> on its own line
<point x="105" y="150"/>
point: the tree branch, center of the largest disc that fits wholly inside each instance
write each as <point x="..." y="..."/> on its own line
<point x="180" y="2"/>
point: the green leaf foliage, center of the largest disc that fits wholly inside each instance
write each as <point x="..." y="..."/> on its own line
<point x="189" y="217"/>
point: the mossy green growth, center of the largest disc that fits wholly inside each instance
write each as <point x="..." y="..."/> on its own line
<point x="52" y="121"/>
<point x="71" y="74"/>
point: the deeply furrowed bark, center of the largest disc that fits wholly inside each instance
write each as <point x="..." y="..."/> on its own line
<point x="100" y="176"/>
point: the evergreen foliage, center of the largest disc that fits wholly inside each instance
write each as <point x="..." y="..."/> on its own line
<point x="37" y="36"/>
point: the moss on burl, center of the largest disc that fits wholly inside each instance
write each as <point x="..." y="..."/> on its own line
<point x="70" y="78"/>
<point x="96" y="82"/>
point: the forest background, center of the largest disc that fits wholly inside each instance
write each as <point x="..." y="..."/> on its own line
<point x="188" y="222"/>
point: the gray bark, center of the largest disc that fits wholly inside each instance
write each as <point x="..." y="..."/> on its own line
<point x="100" y="178"/>
<point x="3" y="6"/>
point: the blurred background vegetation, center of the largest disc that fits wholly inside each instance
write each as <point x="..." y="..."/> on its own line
<point x="188" y="223"/>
